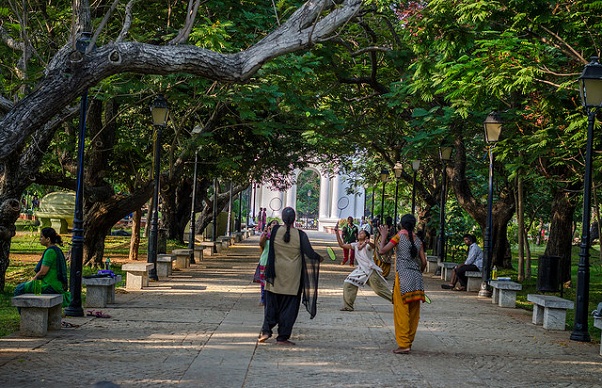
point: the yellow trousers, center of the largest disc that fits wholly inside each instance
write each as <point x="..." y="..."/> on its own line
<point x="405" y="317"/>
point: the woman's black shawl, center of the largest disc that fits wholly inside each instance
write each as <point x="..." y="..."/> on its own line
<point x="310" y="270"/>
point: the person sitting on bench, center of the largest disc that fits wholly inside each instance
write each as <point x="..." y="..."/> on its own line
<point x="473" y="262"/>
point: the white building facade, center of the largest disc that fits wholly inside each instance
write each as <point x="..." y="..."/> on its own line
<point x="337" y="199"/>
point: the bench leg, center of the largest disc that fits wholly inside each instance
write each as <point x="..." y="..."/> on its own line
<point x="97" y="296"/>
<point x="136" y="280"/>
<point x="554" y="319"/>
<point x="34" y="321"/>
<point x="55" y="317"/>
<point x="495" y="296"/>
<point x="507" y="298"/>
<point x="537" y="315"/>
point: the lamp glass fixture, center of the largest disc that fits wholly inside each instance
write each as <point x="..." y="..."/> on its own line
<point x="397" y="169"/>
<point x="160" y="111"/>
<point x="384" y="175"/>
<point x="445" y="153"/>
<point x="493" y="128"/>
<point x="416" y="164"/>
<point x="590" y="84"/>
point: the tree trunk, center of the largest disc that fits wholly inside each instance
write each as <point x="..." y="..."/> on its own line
<point x="135" y="239"/>
<point x="9" y="212"/>
<point x="520" y="215"/>
<point x="560" y="242"/>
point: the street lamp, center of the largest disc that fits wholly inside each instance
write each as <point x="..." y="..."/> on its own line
<point x="384" y="177"/>
<point x="493" y="128"/>
<point x="397" y="169"/>
<point x="445" y="156"/>
<point x="591" y="97"/>
<point x="160" y="112"/>
<point x="192" y="208"/>
<point x="415" y="167"/>
<point x="77" y="249"/>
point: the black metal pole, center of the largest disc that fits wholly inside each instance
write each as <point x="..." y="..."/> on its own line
<point x="441" y="244"/>
<point x="214" y="210"/>
<point x="191" y="236"/>
<point x="153" y="236"/>
<point x="239" y="212"/>
<point x="396" y="191"/>
<point x="254" y="199"/>
<point x="382" y="204"/>
<point x="488" y="244"/>
<point x="580" y="329"/>
<point x="414" y="194"/>
<point x="372" y="211"/>
<point x="77" y="249"/>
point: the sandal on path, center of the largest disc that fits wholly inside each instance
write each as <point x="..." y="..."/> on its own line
<point x="263" y="337"/>
<point x="68" y="325"/>
<point x="401" y="351"/>
<point x="97" y="314"/>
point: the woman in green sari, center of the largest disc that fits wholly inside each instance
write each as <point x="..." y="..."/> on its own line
<point x="51" y="270"/>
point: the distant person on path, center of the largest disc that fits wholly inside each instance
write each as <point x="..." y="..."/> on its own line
<point x="473" y="262"/>
<point x="51" y="270"/>
<point x="350" y="232"/>
<point x="408" y="288"/>
<point x="264" y="243"/>
<point x="366" y="272"/>
<point x="291" y="277"/>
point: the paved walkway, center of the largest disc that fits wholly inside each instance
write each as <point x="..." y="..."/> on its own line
<point x="199" y="329"/>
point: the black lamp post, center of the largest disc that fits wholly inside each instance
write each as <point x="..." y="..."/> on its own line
<point x="397" y="169"/>
<point x="445" y="156"/>
<point x="372" y="210"/>
<point x="193" y="208"/>
<point x="77" y="249"/>
<point x="160" y="112"/>
<point x="493" y="128"/>
<point x="254" y="199"/>
<point x="384" y="177"/>
<point x="591" y="97"/>
<point x="415" y="167"/>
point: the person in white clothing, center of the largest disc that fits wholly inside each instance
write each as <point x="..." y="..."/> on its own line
<point x="366" y="272"/>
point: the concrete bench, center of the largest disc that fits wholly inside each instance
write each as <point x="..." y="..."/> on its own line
<point x="504" y="292"/>
<point x="475" y="278"/>
<point x="211" y="248"/>
<point x="226" y="241"/>
<point x="549" y="310"/>
<point x="446" y="270"/>
<point x="598" y="324"/>
<point x="137" y="275"/>
<point x="182" y="257"/>
<point x="431" y="264"/>
<point x="39" y="313"/>
<point x="100" y="291"/>
<point x="165" y="265"/>
<point x="198" y="254"/>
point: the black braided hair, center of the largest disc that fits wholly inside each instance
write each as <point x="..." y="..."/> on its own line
<point x="408" y="222"/>
<point x="288" y="218"/>
<point x="52" y="235"/>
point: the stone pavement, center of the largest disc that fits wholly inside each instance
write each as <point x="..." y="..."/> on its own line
<point x="199" y="329"/>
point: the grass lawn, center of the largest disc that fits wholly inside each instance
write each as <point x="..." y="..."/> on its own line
<point x="26" y="251"/>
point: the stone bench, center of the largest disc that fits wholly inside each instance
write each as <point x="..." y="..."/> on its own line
<point x="165" y="265"/>
<point x="100" y="291"/>
<point x="598" y="324"/>
<point x="226" y="241"/>
<point x="504" y="292"/>
<point x="39" y="313"/>
<point x="446" y="270"/>
<point x="182" y="257"/>
<point x="211" y="248"/>
<point x="431" y="264"/>
<point x="137" y="275"/>
<point x="475" y="278"/>
<point x="549" y="310"/>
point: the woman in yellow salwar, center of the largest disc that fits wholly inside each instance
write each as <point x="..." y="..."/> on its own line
<point x="408" y="288"/>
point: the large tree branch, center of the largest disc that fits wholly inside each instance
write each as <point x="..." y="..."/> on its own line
<point x="67" y="79"/>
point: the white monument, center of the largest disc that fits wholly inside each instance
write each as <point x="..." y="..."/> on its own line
<point x="334" y="203"/>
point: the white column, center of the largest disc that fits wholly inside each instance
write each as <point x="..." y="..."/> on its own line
<point x="324" y="211"/>
<point x="291" y="197"/>
<point x="334" y="210"/>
